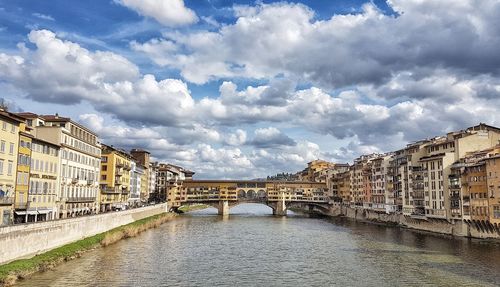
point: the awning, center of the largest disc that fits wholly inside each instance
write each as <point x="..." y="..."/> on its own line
<point x="44" y="210"/>
<point x="20" y="212"/>
<point x="32" y="212"/>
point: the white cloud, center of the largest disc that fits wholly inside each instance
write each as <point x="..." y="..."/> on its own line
<point x="271" y="137"/>
<point x="368" y="47"/>
<point x="44" y="17"/>
<point x="169" y="13"/>
<point x="401" y="79"/>
<point x="238" y="138"/>
<point x="64" y="72"/>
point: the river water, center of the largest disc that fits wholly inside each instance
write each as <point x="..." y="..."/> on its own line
<point x="253" y="248"/>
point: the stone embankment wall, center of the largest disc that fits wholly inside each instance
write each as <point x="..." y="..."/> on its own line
<point x="456" y="228"/>
<point x="20" y="241"/>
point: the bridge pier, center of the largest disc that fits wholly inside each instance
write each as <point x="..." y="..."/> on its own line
<point x="223" y="207"/>
<point x="280" y="209"/>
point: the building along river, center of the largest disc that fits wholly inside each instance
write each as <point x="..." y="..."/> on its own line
<point x="253" y="248"/>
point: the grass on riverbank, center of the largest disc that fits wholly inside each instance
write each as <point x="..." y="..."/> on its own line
<point x="188" y="208"/>
<point x="23" y="268"/>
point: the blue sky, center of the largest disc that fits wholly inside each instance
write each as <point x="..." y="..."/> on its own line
<point x="251" y="88"/>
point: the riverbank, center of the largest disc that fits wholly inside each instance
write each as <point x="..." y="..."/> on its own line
<point x="425" y="225"/>
<point x="23" y="268"/>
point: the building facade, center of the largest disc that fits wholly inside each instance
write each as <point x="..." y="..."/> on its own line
<point x="45" y="185"/>
<point x="137" y="185"/>
<point x="115" y="178"/>
<point x="22" y="210"/>
<point x="148" y="176"/>
<point x="9" y="143"/>
<point x="493" y="181"/>
<point x="79" y="162"/>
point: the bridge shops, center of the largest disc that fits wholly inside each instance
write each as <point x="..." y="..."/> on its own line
<point x="224" y="194"/>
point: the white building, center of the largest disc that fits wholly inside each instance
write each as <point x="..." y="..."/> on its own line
<point x="80" y="155"/>
<point x="136" y="173"/>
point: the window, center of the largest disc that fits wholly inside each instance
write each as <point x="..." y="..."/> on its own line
<point x="9" y="167"/>
<point x="11" y="148"/>
<point x="496" y="211"/>
<point x="12" y="128"/>
<point x="1" y="166"/>
<point x="2" y="146"/>
<point x="4" y="126"/>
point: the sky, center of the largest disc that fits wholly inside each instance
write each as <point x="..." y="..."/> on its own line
<point x="246" y="89"/>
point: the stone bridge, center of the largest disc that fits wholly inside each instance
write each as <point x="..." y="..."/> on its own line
<point x="280" y="196"/>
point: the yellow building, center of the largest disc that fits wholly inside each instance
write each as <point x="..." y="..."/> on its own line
<point x="9" y="142"/>
<point x="44" y="181"/>
<point x="315" y="168"/>
<point x="115" y="178"/>
<point x="21" y="202"/>
<point x="169" y="179"/>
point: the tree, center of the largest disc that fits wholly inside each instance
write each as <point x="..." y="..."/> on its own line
<point x="4" y="105"/>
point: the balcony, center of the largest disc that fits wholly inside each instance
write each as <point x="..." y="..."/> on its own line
<point x="418" y="178"/>
<point x="90" y="182"/>
<point x="436" y="213"/>
<point x="80" y="199"/>
<point x="74" y="180"/>
<point x="124" y="190"/>
<point x="6" y="200"/>
<point x="110" y="190"/>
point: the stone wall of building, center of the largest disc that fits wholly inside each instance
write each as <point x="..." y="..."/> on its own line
<point x="21" y="241"/>
<point x="456" y="228"/>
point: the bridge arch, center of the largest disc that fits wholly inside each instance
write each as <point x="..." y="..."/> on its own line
<point x="251" y="194"/>
<point x="242" y="193"/>
<point x="310" y="206"/>
<point x="261" y="194"/>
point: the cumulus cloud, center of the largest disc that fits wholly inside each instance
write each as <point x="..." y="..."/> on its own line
<point x="410" y="103"/>
<point x="372" y="80"/>
<point x="170" y="13"/>
<point x="368" y="47"/>
<point x="271" y="137"/>
<point x="238" y="138"/>
<point x="64" y="72"/>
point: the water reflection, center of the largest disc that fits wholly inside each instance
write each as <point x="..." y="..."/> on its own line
<point x="251" y="247"/>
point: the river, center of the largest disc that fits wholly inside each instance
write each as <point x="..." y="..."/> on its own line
<point x="253" y="248"/>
